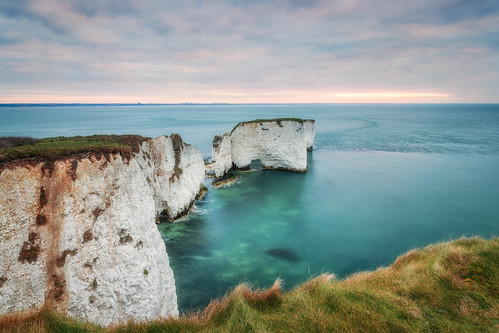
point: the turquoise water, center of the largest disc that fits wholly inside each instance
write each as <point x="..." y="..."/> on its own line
<point x="382" y="179"/>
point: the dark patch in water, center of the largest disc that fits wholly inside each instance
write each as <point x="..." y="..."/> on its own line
<point x="283" y="254"/>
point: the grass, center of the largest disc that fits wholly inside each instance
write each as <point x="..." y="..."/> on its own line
<point x="15" y="148"/>
<point x="447" y="287"/>
<point x="278" y="120"/>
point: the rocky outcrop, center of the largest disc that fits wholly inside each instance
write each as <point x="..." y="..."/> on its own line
<point x="79" y="233"/>
<point x="225" y="181"/>
<point x="309" y="127"/>
<point x="176" y="176"/>
<point x="221" y="154"/>
<point x="278" y="144"/>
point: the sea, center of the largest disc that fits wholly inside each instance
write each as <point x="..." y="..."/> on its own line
<point x="382" y="179"/>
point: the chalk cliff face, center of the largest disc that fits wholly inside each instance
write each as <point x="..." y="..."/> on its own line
<point x="278" y="144"/>
<point x="309" y="127"/>
<point x="79" y="233"/>
<point x="176" y="176"/>
<point x="222" y="154"/>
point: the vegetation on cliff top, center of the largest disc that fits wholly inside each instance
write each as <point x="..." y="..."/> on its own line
<point x="448" y="287"/>
<point x="278" y="120"/>
<point x="18" y="148"/>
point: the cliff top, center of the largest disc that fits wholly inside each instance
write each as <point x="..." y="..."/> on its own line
<point x="449" y="287"/>
<point x="277" y="120"/>
<point x="21" y="148"/>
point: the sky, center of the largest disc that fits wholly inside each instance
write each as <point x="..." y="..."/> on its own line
<point x="242" y="51"/>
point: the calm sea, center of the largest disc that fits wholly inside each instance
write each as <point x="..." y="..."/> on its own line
<point x="382" y="179"/>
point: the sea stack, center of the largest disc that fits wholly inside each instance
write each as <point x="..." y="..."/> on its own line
<point x="78" y="231"/>
<point x="280" y="144"/>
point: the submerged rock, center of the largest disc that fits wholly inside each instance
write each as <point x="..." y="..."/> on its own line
<point x="284" y="254"/>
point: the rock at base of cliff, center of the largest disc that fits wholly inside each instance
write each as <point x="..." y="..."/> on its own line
<point x="224" y="181"/>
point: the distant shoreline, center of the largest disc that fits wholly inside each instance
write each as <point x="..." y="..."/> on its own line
<point x="147" y="104"/>
<point x="209" y="104"/>
<point x="105" y="104"/>
<point x="154" y="104"/>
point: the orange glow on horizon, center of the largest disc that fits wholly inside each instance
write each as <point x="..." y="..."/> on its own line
<point x="384" y="95"/>
<point x="238" y="97"/>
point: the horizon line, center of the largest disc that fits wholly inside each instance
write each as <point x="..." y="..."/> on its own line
<point x="21" y="104"/>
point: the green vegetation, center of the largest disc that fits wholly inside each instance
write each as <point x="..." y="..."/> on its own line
<point x="278" y="120"/>
<point x="15" y="141"/>
<point x="125" y="237"/>
<point x="448" y="287"/>
<point x="15" y="148"/>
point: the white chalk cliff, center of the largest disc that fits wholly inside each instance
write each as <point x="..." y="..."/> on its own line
<point x="277" y="143"/>
<point x="309" y="127"/>
<point x="221" y="155"/>
<point x="80" y="233"/>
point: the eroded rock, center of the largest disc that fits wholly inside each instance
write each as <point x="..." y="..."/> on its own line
<point x="81" y="236"/>
<point x="277" y="143"/>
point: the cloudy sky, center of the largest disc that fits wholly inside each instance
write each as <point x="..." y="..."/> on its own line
<point x="247" y="51"/>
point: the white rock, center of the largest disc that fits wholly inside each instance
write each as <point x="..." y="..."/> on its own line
<point x="277" y="143"/>
<point x="309" y="126"/>
<point x="222" y="154"/>
<point x="23" y="284"/>
<point x="175" y="185"/>
<point x="100" y="255"/>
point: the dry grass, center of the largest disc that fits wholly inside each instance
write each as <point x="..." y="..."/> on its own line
<point x="448" y="287"/>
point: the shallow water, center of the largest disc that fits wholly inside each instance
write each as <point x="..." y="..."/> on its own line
<point x="352" y="211"/>
<point x="382" y="179"/>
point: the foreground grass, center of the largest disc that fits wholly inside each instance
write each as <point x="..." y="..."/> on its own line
<point x="53" y="148"/>
<point x="448" y="287"/>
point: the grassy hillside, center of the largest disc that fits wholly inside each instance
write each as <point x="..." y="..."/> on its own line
<point x="18" y="148"/>
<point x="448" y="287"/>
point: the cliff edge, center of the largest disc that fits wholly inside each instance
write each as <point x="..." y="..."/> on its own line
<point x="277" y="143"/>
<point x="78" y="232"/>
<point x="446" y="287"/>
